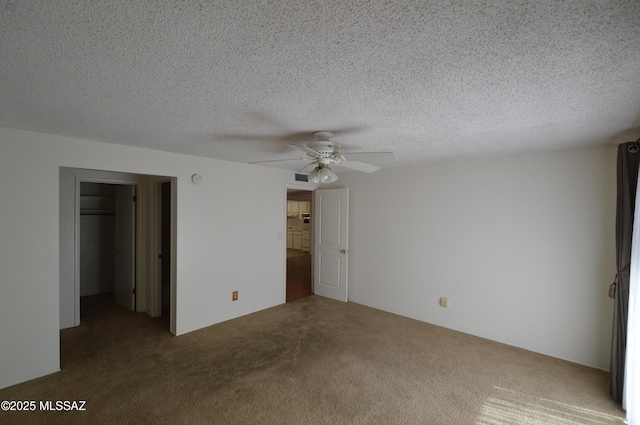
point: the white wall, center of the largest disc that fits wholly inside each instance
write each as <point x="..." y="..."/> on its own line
<point x="227" y="231"/>
<point x="97" y="265"/>
<point x="523" y="247"/>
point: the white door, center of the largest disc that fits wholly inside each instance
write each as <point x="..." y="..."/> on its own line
<point x="125" y="247"/>
<point x="330" y="247"/>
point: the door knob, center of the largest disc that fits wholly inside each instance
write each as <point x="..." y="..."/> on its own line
<point x="343" y="251"/>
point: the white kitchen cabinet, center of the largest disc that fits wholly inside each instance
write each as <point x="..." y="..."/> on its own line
<point x="289" y="239"/>
<point x="305" y="240"/>
<point x="303" y="206"/>
<point x="297" y="239"/>
<point x="292" y="207"/>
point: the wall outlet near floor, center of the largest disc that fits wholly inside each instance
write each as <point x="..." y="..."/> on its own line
<point x="444" y="302"/>
<point x="234" y="296"/>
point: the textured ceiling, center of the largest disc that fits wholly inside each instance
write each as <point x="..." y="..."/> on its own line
<point x="431" y="81"/>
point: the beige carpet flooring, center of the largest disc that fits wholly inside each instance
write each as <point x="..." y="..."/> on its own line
<point x="313" y="361"/>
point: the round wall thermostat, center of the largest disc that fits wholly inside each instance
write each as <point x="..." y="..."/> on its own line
<point x="196" y="179"/>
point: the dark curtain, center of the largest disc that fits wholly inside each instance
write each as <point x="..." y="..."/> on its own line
<point x="628" y="162"/>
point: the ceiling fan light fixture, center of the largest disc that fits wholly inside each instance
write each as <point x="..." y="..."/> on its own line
<point x="322" y="174"/>
<point x="314" y="176"/>
<point x="327" y="175"/>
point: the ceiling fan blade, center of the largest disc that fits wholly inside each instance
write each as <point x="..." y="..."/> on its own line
<point x="377" y="157"/>
<point x="308" y="150"/>
<point x="288" y="137"/>
<point x="308" y="168"/>
<point x="279" y="160"/>
<point x="359" y="166"/>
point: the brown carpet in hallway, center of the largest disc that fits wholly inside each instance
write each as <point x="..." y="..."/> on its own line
<point x="298" y="275"/>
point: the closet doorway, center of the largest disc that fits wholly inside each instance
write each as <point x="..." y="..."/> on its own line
<point x="129" y="270"/>
<point x="107" y="246"/>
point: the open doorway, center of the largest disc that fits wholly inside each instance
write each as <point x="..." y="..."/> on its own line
<point x="107" y="247"/>
<point x="165" y="250"/>
<point x="299" y="236"/>
<point x="99" y="201"/>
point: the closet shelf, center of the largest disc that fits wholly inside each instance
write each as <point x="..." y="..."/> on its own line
<point x="97" y="212"/>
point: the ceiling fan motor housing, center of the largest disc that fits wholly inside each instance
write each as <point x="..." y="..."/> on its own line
<point x="329" y="151"/>
<point x="324" y="148"/>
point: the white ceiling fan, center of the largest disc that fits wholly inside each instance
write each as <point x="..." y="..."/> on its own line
<point x="324" y="152"/>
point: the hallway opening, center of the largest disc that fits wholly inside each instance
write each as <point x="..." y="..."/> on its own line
<point x="299" y="237"/>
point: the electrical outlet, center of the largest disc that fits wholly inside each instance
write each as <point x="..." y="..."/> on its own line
<point x="234" y="296"/>
<point x="444" y="302"/>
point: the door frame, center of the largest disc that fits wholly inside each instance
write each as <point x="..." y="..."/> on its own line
<point x="307" y="188"/>
<point x="138" y="234"/>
